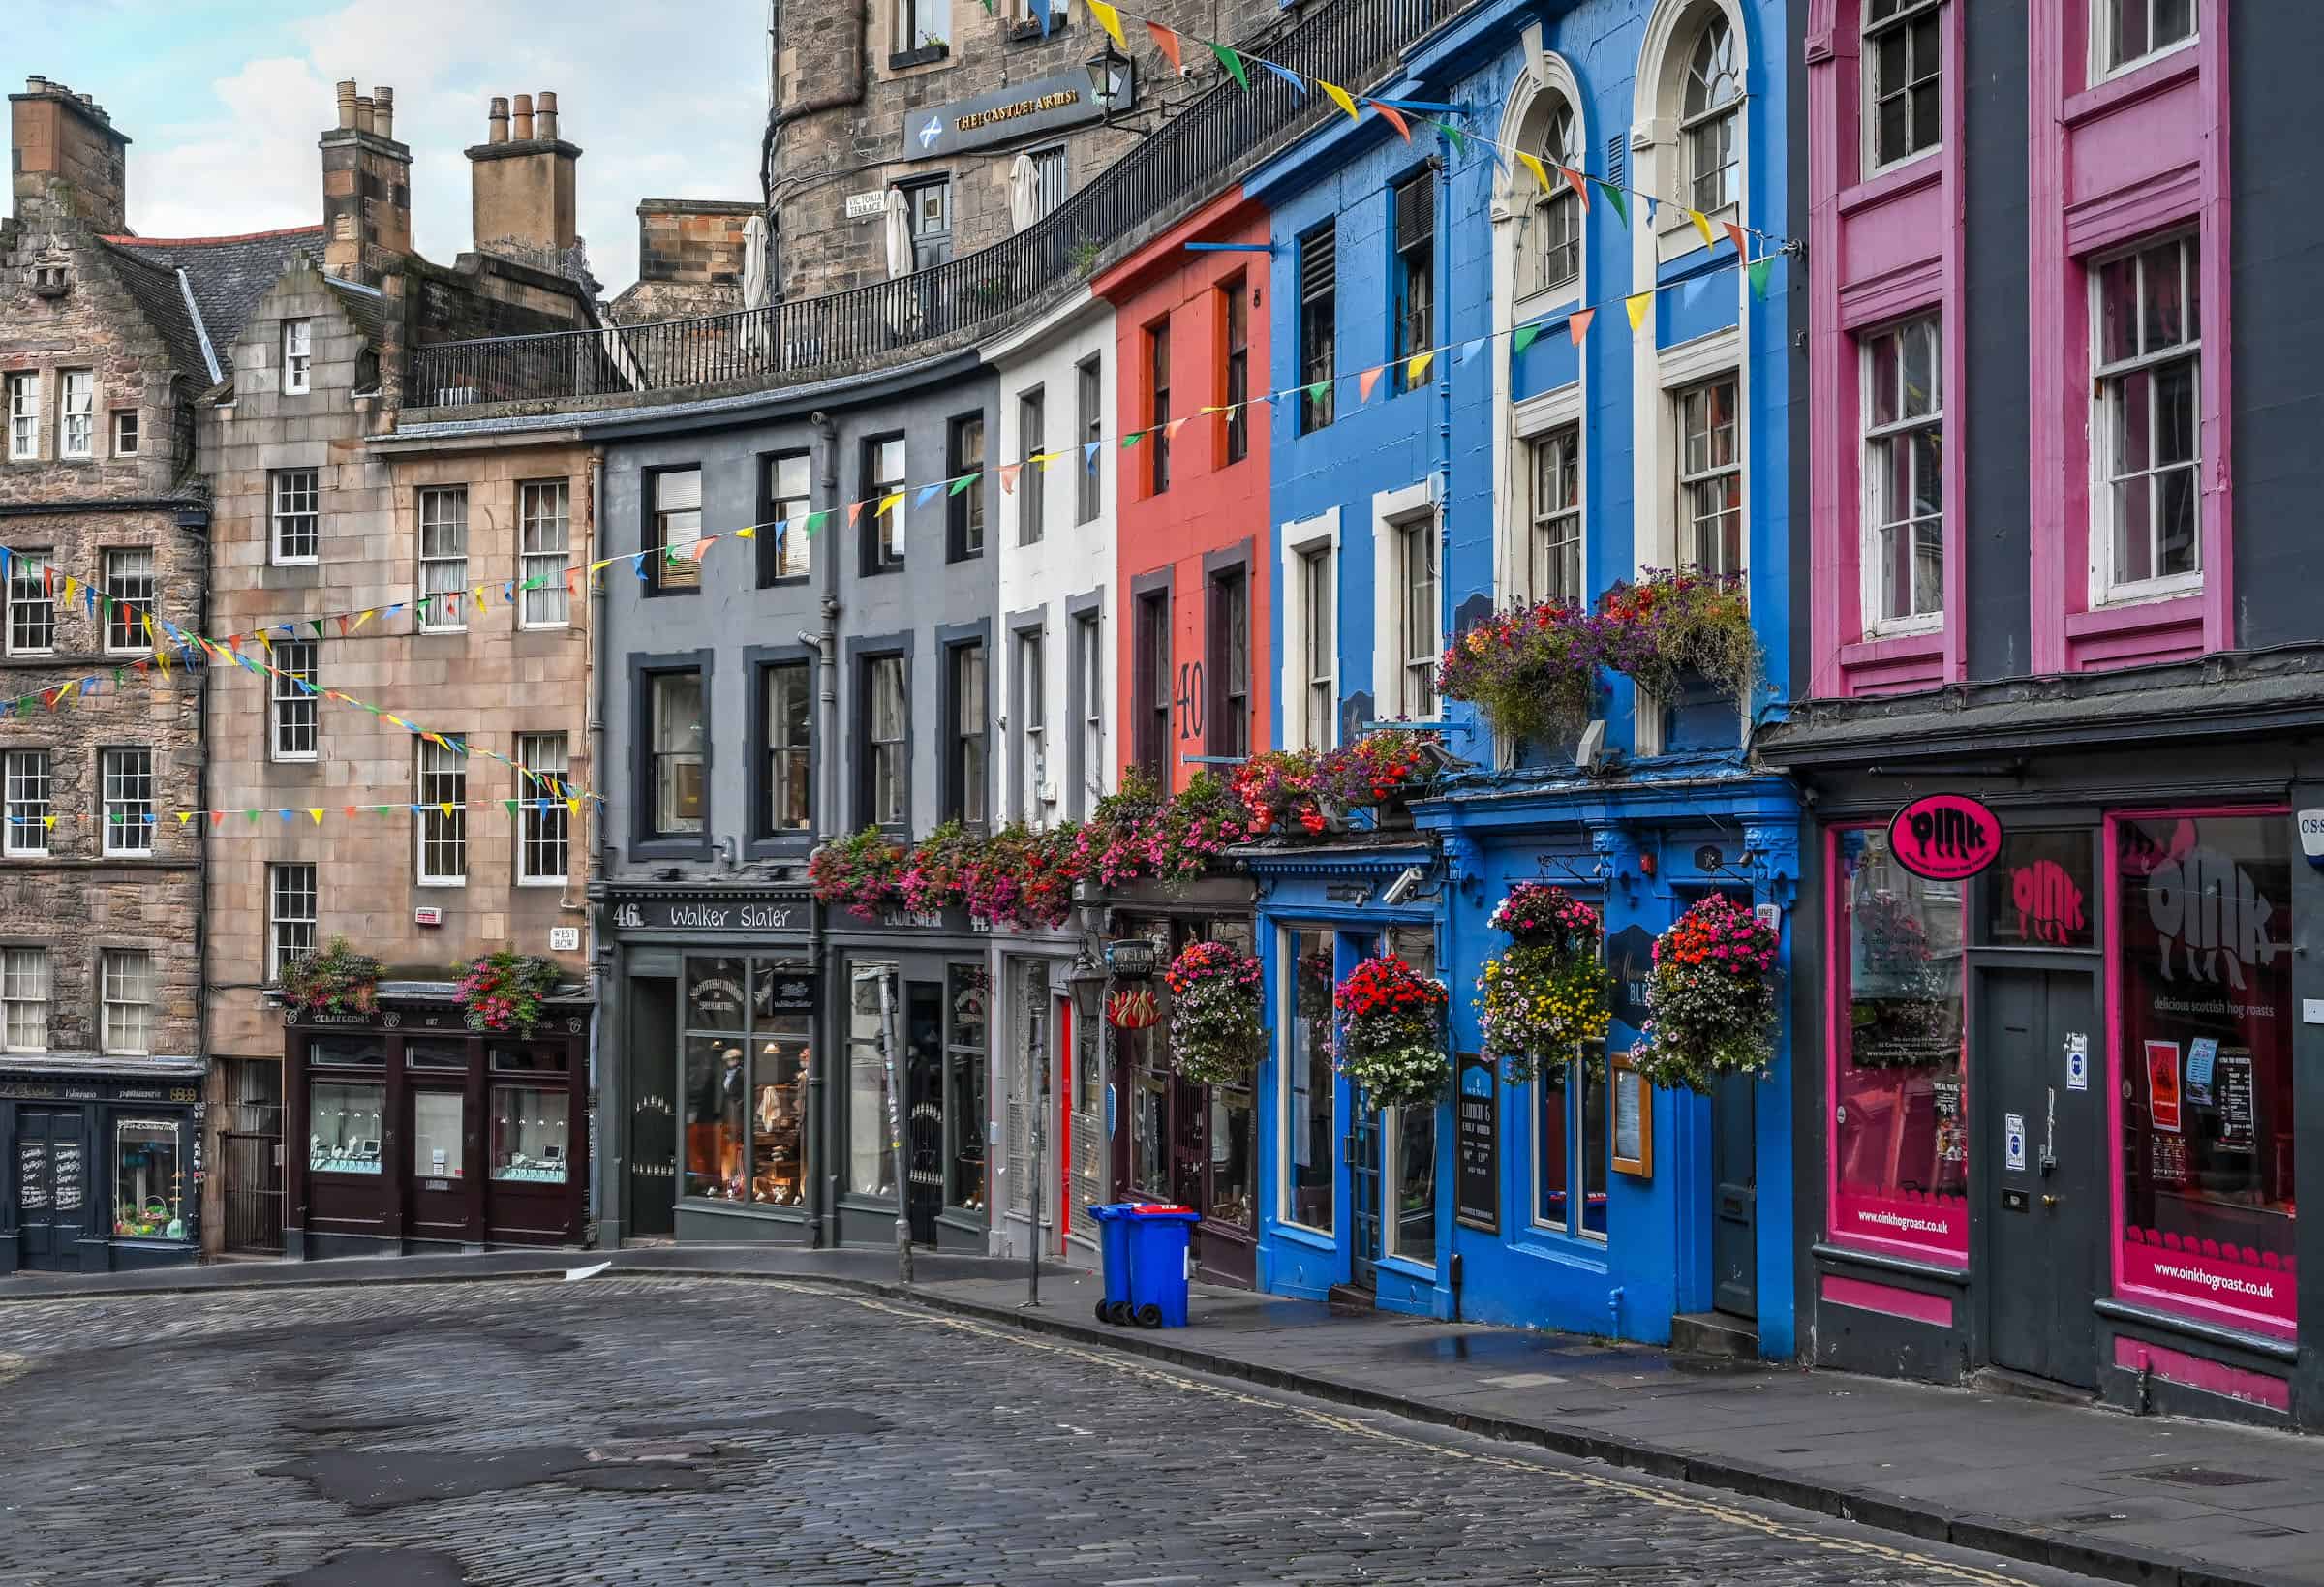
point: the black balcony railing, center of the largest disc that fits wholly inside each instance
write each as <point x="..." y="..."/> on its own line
<point x="1190" y="159"/>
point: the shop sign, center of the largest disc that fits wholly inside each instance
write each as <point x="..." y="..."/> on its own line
<point x="1477" y="1146"/>
<point x="771" y="912"/>
<point x="1945" y="837"/>
<point x="790" y="993"/>
<point x="1004" y="115"/>
<point x="1130" y="957"/>
<point x="1630" y="955"/>
<point x="1132" y="1008"/>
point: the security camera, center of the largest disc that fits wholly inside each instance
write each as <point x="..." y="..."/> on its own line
<point x="1407" y="883"/>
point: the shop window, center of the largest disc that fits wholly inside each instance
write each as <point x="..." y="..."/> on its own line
<point x="673" y="529"/>
<point x="1900" y="1138"/>
<point x="872" y="1018"/>
<point x="344" y="1126"/>
<point x="716" y="1078"/>
<point x="783" y="1054"/>
<point x="527" y="1060"/>
<point x="24" y="999"/>
<point x="439" y="1135"/>
<point x="1901" y="77"/>
<point x="297" y="513"/>
<point x="1553" y="1149"/>
<point x="362" y="1052"/>
<point x="1149" y="1114"/>
<point x="2149" y="424"/>
<point x="967" y="1001"/>
<point x="1319" y="327"/>
<point x="129" y="587"/>
<point x="544" y="528"/>
<point x="1411" y="1180"/>
<point x="1903" y="476"/>
<point x="2039" y="892"/>
<point x="785" y="549"/>
<point x="1311" y="1142"/>
<point x="442" y="557"/>
<point x="31" y="601"/>
<point x="678" y="789"/>
<point x="2207" y="1021"/>
<point x="532" y="1129"/>
<point x="418" y="1054"/>
<point x="149" y="1186"/>
<point x="1232" y="1138"/>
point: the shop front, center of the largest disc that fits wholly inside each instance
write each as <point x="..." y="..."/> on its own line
<point x="1174" y="1139"/>
<point x="423" y="1133"/>
<point x="1047" y="1103"/>
<point x="1355" y="1212"/>
<point x="105" y="1165"/>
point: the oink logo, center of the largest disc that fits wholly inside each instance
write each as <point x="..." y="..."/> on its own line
<point x="2211" y="917"/>
<point x="2048" y="904"/>
<point x="1944" y="837"/>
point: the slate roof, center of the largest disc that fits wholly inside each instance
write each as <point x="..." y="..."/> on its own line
<point x="364" y="305"/>
<point x="229" y="274"/>
<point x="158" y="294"/>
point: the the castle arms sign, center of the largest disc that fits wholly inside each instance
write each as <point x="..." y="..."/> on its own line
<point x="1006" y="115"/>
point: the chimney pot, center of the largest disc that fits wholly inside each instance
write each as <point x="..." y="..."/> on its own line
<point x="546" y="122"/>
<point x="500" y="120"/>
<point x="521" y="131"/>
<point x="363" y="113"/>
<point x="35" y="83"/>
<point x="382" y="111"/>
<point x="347" y="105"/>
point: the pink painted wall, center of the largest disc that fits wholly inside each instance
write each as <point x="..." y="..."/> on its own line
<point x="1891" y="1299"/>
<point x="2213" y="1377"/>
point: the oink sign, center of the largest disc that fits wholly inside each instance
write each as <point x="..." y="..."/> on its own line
<point x="1945" y="837"/>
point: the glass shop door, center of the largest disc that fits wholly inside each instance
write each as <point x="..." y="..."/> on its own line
<point x="436" y="1191"/>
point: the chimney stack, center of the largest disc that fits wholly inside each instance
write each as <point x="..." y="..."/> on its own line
<point x="64" y="148"/>
<point x="522" y="186"/>
<point x="366" y="187"/>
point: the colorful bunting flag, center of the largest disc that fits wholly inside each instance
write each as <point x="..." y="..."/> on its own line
<point x="1639" y="305"/>
<point x="889" y="502"/>
<point x="1580" y="183"/>
<point x="1298" y="84"/>
<point x="1533" y="164"/>
<point x="1110" y="19"/>
<point x="1702" y="225"/>
<point x="1470" y="349"/>
<point x="1366" y="380"/>
<point x="1757" y="270"/>
<point x="1396" y="117"/>
<point x="1577" y="324"/>
<point x="1613" y="197"/>
<point x="1734" y="235"/>
<point x="1008" y="477"/>
<point x="1523" y="337"/>
<point x="1342" y="97"/>
<point x="1167" y="43"/>
<point x="1416" y="366"/>
<point x="1232" y="62"/>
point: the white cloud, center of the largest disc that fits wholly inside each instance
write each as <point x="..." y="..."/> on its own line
<point x="661" y="108"/>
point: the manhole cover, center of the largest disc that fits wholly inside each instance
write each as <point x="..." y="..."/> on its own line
<point x="2205" y="1476"/>
<point x="2095" y="1518"/>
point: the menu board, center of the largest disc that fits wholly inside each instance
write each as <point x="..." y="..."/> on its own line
<point x="2234" y="1085"/>
<point x="1477" y="1144"/>
<point x="1630" y="1115"/>
<point x="32" y="1176"/>
<point x="65" y="1175"/>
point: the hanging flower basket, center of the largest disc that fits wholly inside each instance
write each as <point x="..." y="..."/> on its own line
<point x="1112" y="846"/>
<point x="1711" y="998"/>
<point x="1022" y="878"/>
<point x="934" y="875"/>
<point x="1277" y="788"/>
<point x="335" y="981"/>
<point x="1670" y="627"/>
<point x="860" y="874"/>
<point x="1391" y="1033"/>
<point x="504" y="991"/>
<point x="1383" y="769"/>
<point x="1532" y="670"/>
<point x="1547" y="993"/>
<point x="1215" y="1014"/>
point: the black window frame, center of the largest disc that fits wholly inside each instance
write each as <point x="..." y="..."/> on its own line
<point x="1226" y="574"/>
<point x="1157" y="406"/>
<point x="953" y="642"/>
<point x="1412" y="266"/>
<point x="870" y="491"/>
<point x="771" y="513"/>
<point x="648" y="534"/>
<point x="1149" y="636"/>
<point x="862" y="656"/>
<point x="645" y="843"/>
<point x="764" y="839"/>
<point x="1319" y="325"/>
<point x="1235" y="367"/>
<point x="964" y="509"/>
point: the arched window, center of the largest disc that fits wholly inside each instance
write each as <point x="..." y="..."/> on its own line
<point x="1707" y="114"/>
<point x="1549" y="225"/>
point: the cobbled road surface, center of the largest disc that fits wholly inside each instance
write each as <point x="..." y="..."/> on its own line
<point x="668" y="1432"/>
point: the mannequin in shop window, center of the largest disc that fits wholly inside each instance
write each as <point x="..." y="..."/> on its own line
<point x="777" y="1165"/>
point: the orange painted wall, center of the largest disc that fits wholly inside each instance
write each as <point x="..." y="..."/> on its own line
<point x="1211" y="506"/>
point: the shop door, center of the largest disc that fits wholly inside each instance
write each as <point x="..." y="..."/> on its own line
<point x="924" y="1108"/>
<point x="51" y="1189"/>
<point x="1362" y="1150"/>
<point x="2048" y="1219"/>
<point x="436" y="1182"/>
<point x="650" y="1074"/>
<point x="1735" y="1195"/>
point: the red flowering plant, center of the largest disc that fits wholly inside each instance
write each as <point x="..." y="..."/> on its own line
<point x="1021" y="877"/>
<point x="1387" y="764"/>
<point x="504" y="991"/>
<point x="1391" y="1033"/>
<point x="1277" y="787"/>
<point x="1111" y="846"/>
<point x="1216" y="1028"/>
<point x="338" y="980"/>
<point x="1195" y="827"/>
<point x="1710" y="997"/>
<point x="1532" y="670"/>
<point x="935" y="869"/>
<point x="1672" y="624"/>
<point x="859" y="872"/>
<point x="1547" y="994"/>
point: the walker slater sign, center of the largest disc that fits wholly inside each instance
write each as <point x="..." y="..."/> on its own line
<point x="747" y="912"/>
<point x="1005" y="114"/>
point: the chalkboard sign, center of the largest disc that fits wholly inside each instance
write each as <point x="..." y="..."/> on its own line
<point x="32" y="1176"/>
<point x="67" y="1172"/>
<point x="1630" y="956"/>
<point x="1477" y="1139"/>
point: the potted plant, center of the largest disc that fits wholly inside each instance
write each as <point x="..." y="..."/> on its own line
<point x="934" y="874"/>
<point x="1671" y="628"/>
<point x="338" y="980"/>
<point x="1532" y="670"/>
<point x="1379" y="771"/>
<point x="860" y="872"/>
<point x="1195" y="827"/>
<point x="1113" y="845"/>
<point x="1216" y="1027"/>
<point x="1391" y="1033"/>
<point x="1548" y="992"/>
<point x="1021" y="877"/>
<point x="1710" y="999"/>
<point x="1277" y="788"/>
<point x="504" y="991"/>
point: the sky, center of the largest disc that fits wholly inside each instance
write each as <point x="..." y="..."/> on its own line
<point x="224" y="100"/>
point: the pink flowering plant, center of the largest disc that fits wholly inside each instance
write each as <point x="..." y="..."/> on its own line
<point x="1216" y="1028"/>
<point x="1277" y="788"/>
<point x="1670" y="625"/>
<point x="1386" y="764"/>
<point x="504" y="991"/>
<point x="1532" y="670"/>
<point x="1022" y="878"/>
<point x="338" y="980"/>
<point x="1112" y="848"/>
<point x="935" y="869"/>
<point x="1549" y="993"/>
<point x="1711" y="998"/>
<point x="861" y="873"/>
<point x="1195" y="827"/>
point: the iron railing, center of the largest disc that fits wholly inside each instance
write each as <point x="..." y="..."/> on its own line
<point x="1188" y="159"/>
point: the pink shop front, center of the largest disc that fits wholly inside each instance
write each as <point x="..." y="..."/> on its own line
<point x="2062" y="1100"/>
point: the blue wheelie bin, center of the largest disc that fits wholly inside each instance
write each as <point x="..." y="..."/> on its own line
<point x="1157" y="1242"/>
<point x="1113" y="1247"/>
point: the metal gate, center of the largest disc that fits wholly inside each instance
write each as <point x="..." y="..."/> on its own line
<point x="250" y="1150"/>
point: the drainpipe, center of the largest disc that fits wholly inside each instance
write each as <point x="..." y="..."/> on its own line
<point x="1613" y="1312"/>
<point x="201" y="934"/>
<point x="602" y="1192"/>
<point x="835" y="991"/>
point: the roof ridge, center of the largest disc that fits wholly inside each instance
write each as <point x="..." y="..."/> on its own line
<point x="129" y="240"/>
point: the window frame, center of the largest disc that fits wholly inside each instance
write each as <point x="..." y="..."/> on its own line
<point x="1546" y="537"/>
<point x="1691" y="124"/>
<point x="107" y="801"/>
<point x="1873" y="438"/>
<point x="966" y="713"/>
<point x="28" y="589"/>
<point x="665" y="575"/>
<point x="1227" y="656"/>
<point x="1901" y="19"/>
<point x="870" y="665"/>
<point x="23" y="400"/>
<point x="124" y="633"/>
<point x="767" y="663"/>
<point x="1087" y="701"/>
<point x="2107" y="379"/>
<point x="439" y="771"/>
<point x="1235" y="368"/>
<point x="542" y="817"/>
<point x="435" y="566"/>
<point x="964" y="509"/>
<point x="76" y="419"/>
<point x="278" y="873"/>
<point x="293" y="659"/>
<point x="1090" y="493"/>
<point x="280" y="484"/>
<point x="777" y="552"/>
<point x="646" y="840"/>
<point x="35" y="960"/>
<point x="297" y="346"/>
<point x="1415" y="672"/>
<point x="125" y="427"/>
<point x="547" y="564"/>
<point x="1319" y="327"/>
<point x="1288" y="975"/>
<point x="26" y="766"/>
<point x="2104" y="37"/>
<point x="1150" y="654"/>
<point x="1319" y="643"/>
<point x="1029" y="721"/>
<point x="1687" y="522"/>
<point x="1551" y="221"/>
<point x="116" y="963"/>
<point x="1032" y="479"/>
<point x="1157" y="406"/>
<point x="875" y="546"/>
<point x="1413" y="280"/>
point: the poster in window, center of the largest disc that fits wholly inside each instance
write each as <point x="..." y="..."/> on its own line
<point x="1634" y="1121"/>
<point x="32" y="1176"/>
<point x="2162" y="1086"/>
<point x="2236" y="1133"/>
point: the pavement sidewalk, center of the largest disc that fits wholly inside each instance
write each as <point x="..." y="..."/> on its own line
<point x="2142" y="1499"/>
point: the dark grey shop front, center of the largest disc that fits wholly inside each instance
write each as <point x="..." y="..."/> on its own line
<point x="104" y="1167"/>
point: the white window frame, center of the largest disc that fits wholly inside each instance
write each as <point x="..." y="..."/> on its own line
<point x="546" y="759"/>
<point x="125" y="978"/>
<point x="1902" y="19"/>
<point x="116" y="580"/>
<point x="30" y="791"/>
<point x="544" y="542"/>
<point x="288" y="506"/>
<point x="1090" y="658"/>
<point x="2106" y="590"/>
<point x="1419" y="548"/>
<point x="298" y="341"/>
<point x="24" y="415"/>
<point x="1728" y="109"/>
<point x="118" y="775"/>
<point x="292" y="713"/>
<point x="1553" y="528"/>
<point x="442" y="572"/>
<point x="1877" y="440"/>
<point x="1392" y="512"/>
<point x="76" y="413"/>
<point x="1686" y="520"/>
<point x="440" y="777"/>
<point x="25" y="989"/>
<point x="28" y="588"/>
<point x="1032" y="726"/>
<point x="2102" y="31"/>
<point x="126" y="426"/>
<point x="1532" y="424"/>
<point x="1301" y="539"/>
<point x="1537" y="210"/>
<point x="284" y="893"/>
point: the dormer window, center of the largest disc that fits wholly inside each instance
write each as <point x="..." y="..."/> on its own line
<point x="49" y="278"/>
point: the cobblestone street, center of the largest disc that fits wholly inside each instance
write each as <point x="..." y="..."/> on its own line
<point x="635" y="1430"/>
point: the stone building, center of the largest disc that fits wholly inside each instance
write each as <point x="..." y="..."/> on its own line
<point x="693" y="258"/>
<point x="412" y="728"/>
<point x="107" y="342"/>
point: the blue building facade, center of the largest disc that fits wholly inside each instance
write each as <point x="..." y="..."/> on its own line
<point x="1545" y="449"/>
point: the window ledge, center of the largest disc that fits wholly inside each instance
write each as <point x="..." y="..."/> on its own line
<point x="1926" y="1267"/>
<point x="1551" y="300"/>
<point x="2190" y="1328"/>
<point x="1299" y="1234"/>
<point x="2136" y="82"/>
<point x="1906" y="175"/>
<point x="1893" y="647"/>
<point x="2131" y="616"/>
<point x="903" y="60"/>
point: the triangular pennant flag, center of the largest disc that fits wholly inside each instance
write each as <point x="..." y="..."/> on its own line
<point x="1470" y="349"/>
<point x="1396" y="117"/>
<point x="1613" y="197"/>
<point x="1298" y="84"/>
<point x="317" y="812"/>
<point x="1702" y="224"/>
<point x="961" y="484"/>
<point x="888" y="502"/>
<point x="446" y="806"/>
<point x="349" y="812"/>
<point x="1757" y="270"/>
<point x="1110" y="19"/>
<point x="594" y="568"/>
<point x="344" y="626"/>
<point x="1416" y="366"/>
<point x="1452" y="135"/>
<point x="1342" y="97"/>
<point x="1233" y="63"/>
<point x="217" y="816"/>
<point x="1318" y="391"/>
<point x="71" y="587"/>
<point x="1044" y="459"/>
<point x="1132" y="438"/>
<point x="1580" y="183"/>
<point x="1734" y="235"/>
<point x="1639" y="305"/>
<point x="285" y="813"/>
<point x="183" y="816"/>
<point x="1089" y="455"/>
<point x="749" y="532"/>
<point x="1523" y="337"/>
<point x="700" y="548"/>
<point x="855" y="510"/>
<point x="816" y="520"/>
<point x="1167" y="43"/>
<point x="1533" y="164"/>
<point x="1170" y="430"/>
<point x="1366" y="380"/>
<point x="1008" y="476"/>
<point x="927" y="494"/>
<point x="48" y="821"/>
<point x="508" y="805"/>
<point x="1577" y="324"/>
